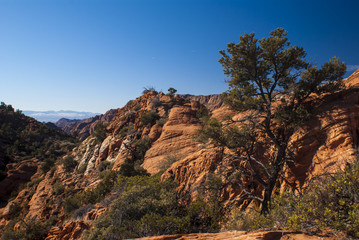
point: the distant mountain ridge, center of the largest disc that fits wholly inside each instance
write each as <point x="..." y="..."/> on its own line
<point x="54" y="116"/>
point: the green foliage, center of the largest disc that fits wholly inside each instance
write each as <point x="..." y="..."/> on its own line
<point x="146" y="207"/>
<point x="47" y="164"/>
<point x="91" y="196"/>
<point x="270" y="78"/>
<point x="148" y="90"/>
<point x="202" y="217"/>
<point x="161" y="121"/>
<point x="33" y="230"/>
<point x="131" y="168"/>
<point x="149" y="118"/>
<point x="99" y="132"/>
<point x="330" y="201"/>
<point x="171" y="91"/>
<point x="69" y="163"/>
<point x="104" y="165"/>
<point x="58" y="188"/>
<point x="203" y="114"/>
<point x="140" y="147"/>
<point x="22" y="136"/>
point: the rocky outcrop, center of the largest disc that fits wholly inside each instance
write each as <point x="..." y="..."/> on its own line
<point x="176" y="139"/>
<point x="211" y="102"/>
<point x="63" y="122"/>
<point x="324" y="144"/>
<point x="17" y="174"/>
<point x="85" y="128"/>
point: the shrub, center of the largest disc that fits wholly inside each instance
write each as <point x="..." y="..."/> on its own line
<point x="329" y="201"/>
<point x="161" y="121"/>
<point x="145" y="207"/>
<point x="69" y="163"/>
<point x="82" y="211"/>
<point x="149" y="118"/>
<point x="58" y="188"/>
<point x="99" y="132"/>
<point x="72" y="203"/>
<point x="104" y="165"/>
<point x="203" y="114"/>
<point x="33" y="230"/>
<point x="148" y="90"/>
<point x="47" y="164"/>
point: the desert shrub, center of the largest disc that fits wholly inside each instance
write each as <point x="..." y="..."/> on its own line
<point x="140" y="147"/>
<point x="329" y="201"/>
<point x="33" y="230"/>
<point x="169" y="160"/>
<point x="129" y="103"/>
<point x="72" y="203"/>
<point x="124" y="131"/>
<point x="47" y="164"/>
<point x="202" y="217"/>
<point x="91" y="196"/>
<point x="130" y="168"/>
<point x="69" y="163"/>
<point x="104" y="165"/>
<point x="99" y="132"/>
<point x="58" y="188"/>
<point x="203" y="114"/>
<point x="146" y="206"/>
<point x="171" y="92"/>
<point x="148" y="90"/>
<point x="161" y="121"/>
<point x="82" y="211"/>
<point x="149" y="118"/>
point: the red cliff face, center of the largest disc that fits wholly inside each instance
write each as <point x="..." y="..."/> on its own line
<point x="324" y="144"/>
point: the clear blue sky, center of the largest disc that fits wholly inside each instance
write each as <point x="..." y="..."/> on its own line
<point x="94" y="55"/>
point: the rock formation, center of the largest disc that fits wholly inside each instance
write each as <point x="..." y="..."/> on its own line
<point x="325" y="143"/>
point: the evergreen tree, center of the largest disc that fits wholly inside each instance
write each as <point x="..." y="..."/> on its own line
<point x="271" y="81"/>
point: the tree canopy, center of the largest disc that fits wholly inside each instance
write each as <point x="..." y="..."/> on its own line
<point x="272" y="82"/>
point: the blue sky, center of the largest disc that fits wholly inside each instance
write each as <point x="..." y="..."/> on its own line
<point x="94" y="55"/>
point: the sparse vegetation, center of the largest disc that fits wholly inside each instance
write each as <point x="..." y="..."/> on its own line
<point x="331" y="201"/>
<point x="149" y="118"/>
<point x="149" y="89"/>
<point x="69" y="163"/>
<point x="99" y="132"/>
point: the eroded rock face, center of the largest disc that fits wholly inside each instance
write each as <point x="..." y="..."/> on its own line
<point x="17" y="173"/>
<point x="85" y="128"/>
<point x="324" y="144"/>
<point x="176" y="139"/>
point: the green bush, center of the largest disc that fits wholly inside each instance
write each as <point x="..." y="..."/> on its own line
<point x="69" y="163"/>
<point x="160" y="122"/>
<point x="33" y="230"/>
<point x="329" y="201"/>
<point x="58" y="188"/>
<point x="203" y="114"/>
<point x="47" y="164"/>
<point x="149" y="118"/>
<point x="100" y="132"/>
<point x="91" y="196"/>
<point x="146" y="207"/>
